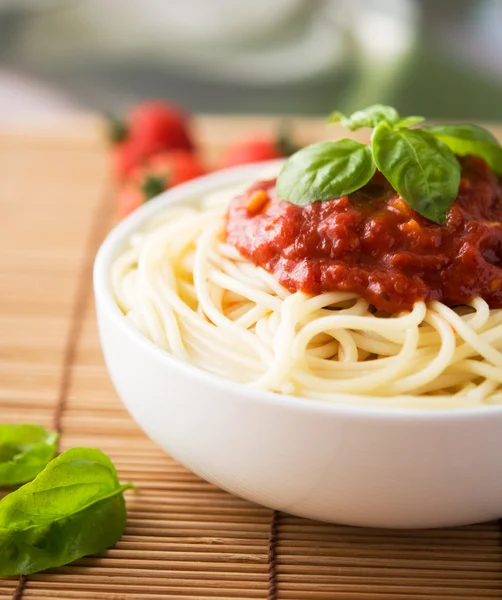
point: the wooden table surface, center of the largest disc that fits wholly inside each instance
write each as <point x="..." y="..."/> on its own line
<point x="185" y="538"/>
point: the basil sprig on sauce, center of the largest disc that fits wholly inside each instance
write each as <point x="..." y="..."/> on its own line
<point x="24" y="451"/>
<point x="336" y="168"/>
<point x="419" y="163"/>
<point x="373" y="116"/>
<point x="423" y="170"/>
<point x="470" y="139"/>
<point x="74" y="507"/>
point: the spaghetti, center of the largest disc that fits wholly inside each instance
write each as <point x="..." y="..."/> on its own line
<point x="190" y="292"/>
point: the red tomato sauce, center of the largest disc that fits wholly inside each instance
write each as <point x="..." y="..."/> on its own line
<point x="373" y="244"/>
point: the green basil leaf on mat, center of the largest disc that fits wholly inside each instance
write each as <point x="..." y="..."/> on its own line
<point x="24" y="451"/>
<point x="470" y="139"/>
<point x="325" y="170"/>
<point x="422" y="169"/>
<point x="73" y="508"/>
<point x="367" y="117"/>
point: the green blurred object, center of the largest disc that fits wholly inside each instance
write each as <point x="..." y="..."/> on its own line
<point x="431" y="57"/>
<point x="442" y="90"/>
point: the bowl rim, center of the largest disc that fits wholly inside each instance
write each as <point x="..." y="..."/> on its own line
<point x="118" y="237"/>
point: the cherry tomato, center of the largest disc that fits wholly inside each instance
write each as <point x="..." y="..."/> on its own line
<point x="160" y="172"/>
<point x="149" y="128"/>
<point x="249" y="151"/>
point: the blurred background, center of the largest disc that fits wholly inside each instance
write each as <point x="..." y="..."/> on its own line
<point x="440" y="58"/>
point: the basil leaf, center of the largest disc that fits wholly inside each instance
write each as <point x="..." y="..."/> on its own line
<point x="325" y="170"/>
<point x="24" y="451"/>
<point x="470" y="139"/>
<point x="422" y="169"/>
<point x="368" y="117"/>
<point x="465" y="132"/>
<point x="409" y="121"/>
<point x="73" y="508"/>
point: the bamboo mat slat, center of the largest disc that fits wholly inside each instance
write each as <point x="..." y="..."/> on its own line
<point x="185" y="539"/>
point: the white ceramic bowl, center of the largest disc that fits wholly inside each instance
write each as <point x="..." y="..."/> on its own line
<point x="353" y="465"/>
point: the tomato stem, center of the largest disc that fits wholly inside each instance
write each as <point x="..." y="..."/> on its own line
<point x="152" y="186"/>
<point x="283" y="139"/>
<point x="117" y="130"/>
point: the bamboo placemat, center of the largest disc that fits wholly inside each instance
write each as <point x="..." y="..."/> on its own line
<point x="185" y="538"/>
